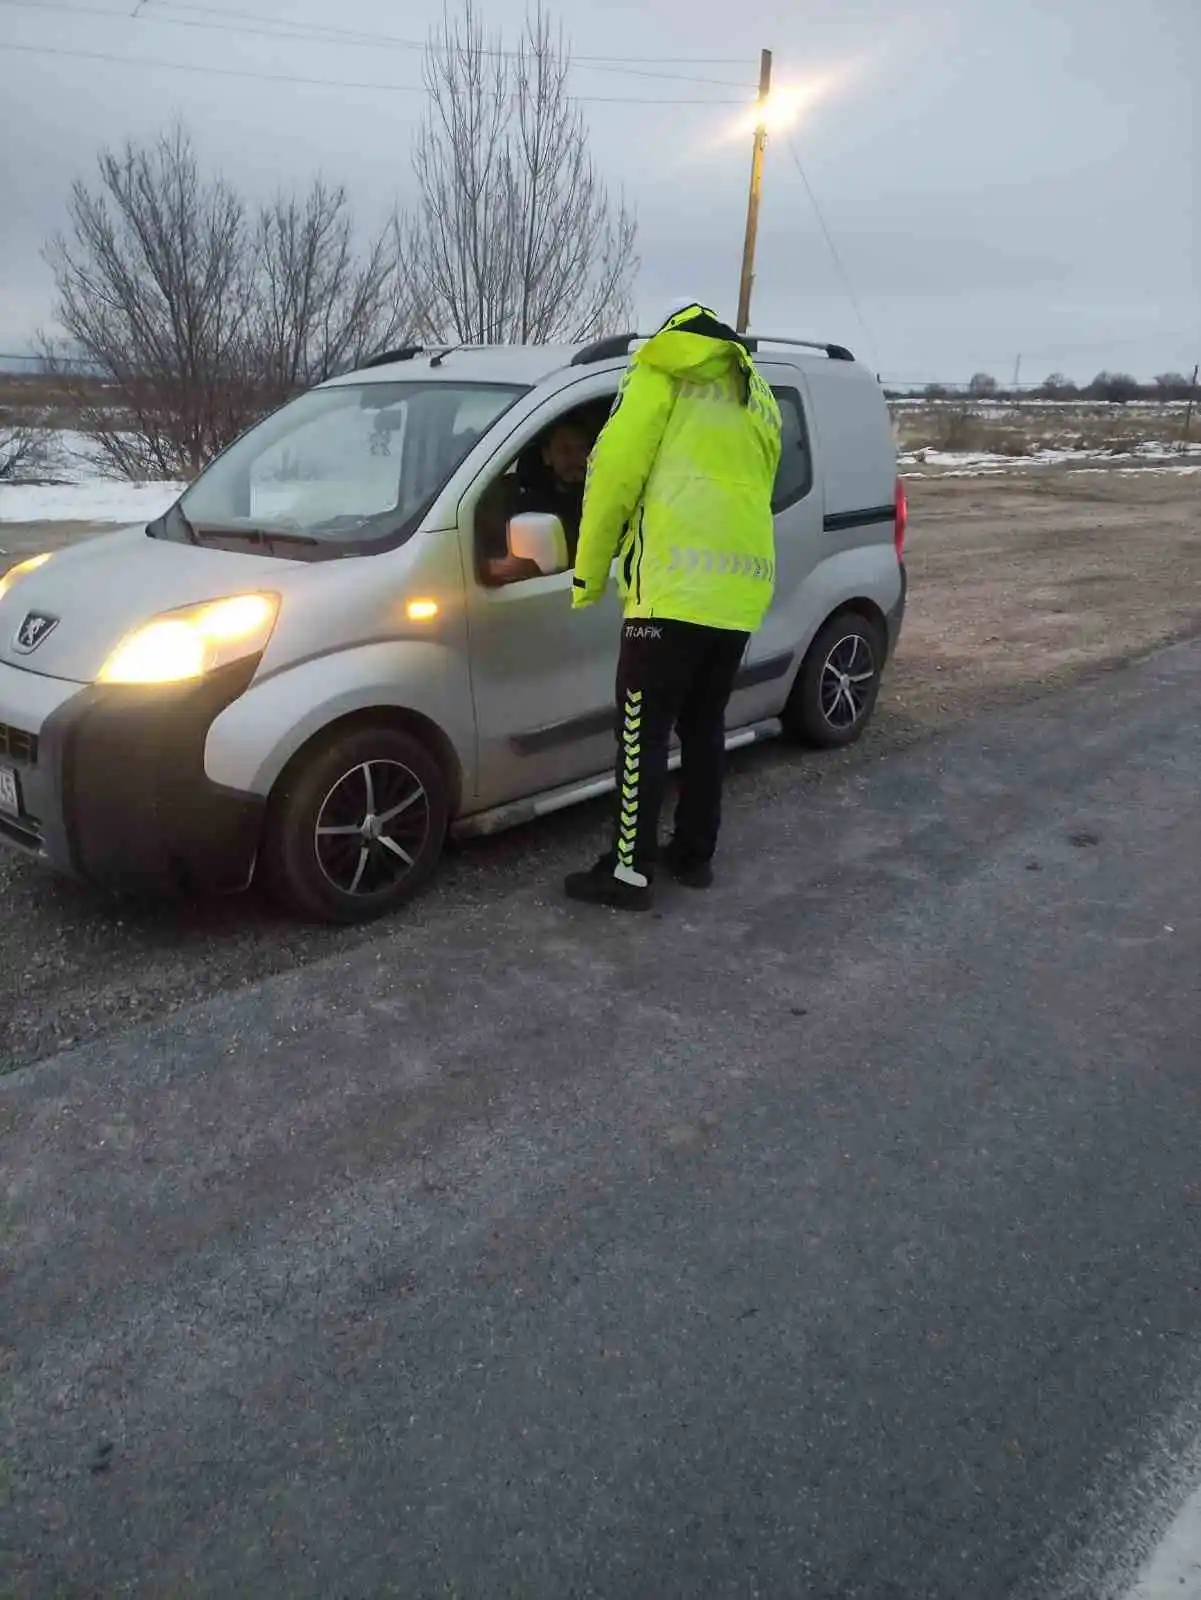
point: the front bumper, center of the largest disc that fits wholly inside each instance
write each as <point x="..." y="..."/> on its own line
<point x="113" y="786"/>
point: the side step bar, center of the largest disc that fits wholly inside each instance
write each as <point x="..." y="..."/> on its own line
<point x="533" y="806"/>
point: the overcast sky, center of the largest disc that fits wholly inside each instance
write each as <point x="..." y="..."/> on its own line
<point x="1000" y="178"/>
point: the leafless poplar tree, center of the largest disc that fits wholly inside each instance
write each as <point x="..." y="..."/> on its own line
<point x="196" y="318"/>
<point x="318" y="305"/>
<point x="152" y="288"/>
<point x="515" y="238"/>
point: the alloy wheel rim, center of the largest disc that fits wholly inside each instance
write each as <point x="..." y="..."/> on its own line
<point x="846" y="681"/>
<point x="371" y="828"/>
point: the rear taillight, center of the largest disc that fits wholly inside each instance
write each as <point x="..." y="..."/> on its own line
<point x="902" y="521"/>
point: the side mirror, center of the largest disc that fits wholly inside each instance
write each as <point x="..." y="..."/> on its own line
<point x="538" y="536"/>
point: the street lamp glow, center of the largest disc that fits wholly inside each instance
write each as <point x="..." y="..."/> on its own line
<point x="781" y="109"/>
<point x="784" y="107"/>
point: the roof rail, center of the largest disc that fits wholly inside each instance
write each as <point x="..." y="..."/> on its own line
<point x="406" y="352"/>
<point x="836" y="352"/>
<point x="617" y="344"/>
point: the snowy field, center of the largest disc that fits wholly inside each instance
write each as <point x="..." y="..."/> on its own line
<point x="984" y="438"/>
<point x="81" y="492"/>
<point x="1154" y="456"/>
<point x="89" y="500"/>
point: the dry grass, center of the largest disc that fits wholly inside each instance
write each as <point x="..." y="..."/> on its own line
<point x="1023" y="428"/>
<point x="35" y="398"/>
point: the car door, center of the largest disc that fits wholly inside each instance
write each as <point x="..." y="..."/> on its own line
<point x="542" y="674"/>
<point x="762" y="684"/>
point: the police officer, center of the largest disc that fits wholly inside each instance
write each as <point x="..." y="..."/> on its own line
<point x="679" y="488"/>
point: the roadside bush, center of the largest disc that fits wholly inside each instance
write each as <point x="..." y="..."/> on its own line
<point x="29" y="452"/>
<point x="963" y="430"/>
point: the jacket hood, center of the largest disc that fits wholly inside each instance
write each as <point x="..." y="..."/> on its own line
<point x="695" y="344"/>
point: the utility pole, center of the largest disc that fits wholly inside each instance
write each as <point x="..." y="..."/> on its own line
<point x="747" y="279"/>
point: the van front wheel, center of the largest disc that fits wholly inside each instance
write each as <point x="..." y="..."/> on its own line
<point x="835" y="691"/>
<point x="356" y="826"/>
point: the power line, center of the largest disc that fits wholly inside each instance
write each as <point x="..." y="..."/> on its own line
<point x="225" y="11"/>
<point x="838" y="261"/>
<point x="632" y="66"/>
<point x="303" y="33"/>
<point x="324" y="83"/>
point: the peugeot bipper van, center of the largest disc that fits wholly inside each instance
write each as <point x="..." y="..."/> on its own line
<point x="313" y="666"/>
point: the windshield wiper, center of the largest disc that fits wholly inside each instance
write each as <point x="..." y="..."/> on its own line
<point x="269" y="538"/>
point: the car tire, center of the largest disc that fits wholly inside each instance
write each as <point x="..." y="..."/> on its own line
<point x="834" y="693"/>
<point x="356" y="826"/>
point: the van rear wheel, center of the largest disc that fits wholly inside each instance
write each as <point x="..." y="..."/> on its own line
<point x="835" y="691"/>
<point x="356" y="826"/>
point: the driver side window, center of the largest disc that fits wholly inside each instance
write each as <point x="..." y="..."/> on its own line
<point x="547" y="477"/>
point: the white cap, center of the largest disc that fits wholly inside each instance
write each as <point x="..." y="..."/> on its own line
<point x="669" y="306"/>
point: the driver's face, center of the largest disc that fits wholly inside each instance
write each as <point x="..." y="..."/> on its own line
<point x="566" y="454"/>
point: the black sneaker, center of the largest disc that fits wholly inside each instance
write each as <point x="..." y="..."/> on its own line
<point x="599" y="886"/>
<point x="691" y="872"/>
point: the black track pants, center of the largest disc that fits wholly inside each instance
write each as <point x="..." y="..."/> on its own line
<point x="671" y="675"/>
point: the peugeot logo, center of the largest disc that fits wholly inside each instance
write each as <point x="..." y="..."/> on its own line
<point x="36" y="627"/>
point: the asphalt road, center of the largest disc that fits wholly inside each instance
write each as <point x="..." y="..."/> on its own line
<point x="835" y="1234"/>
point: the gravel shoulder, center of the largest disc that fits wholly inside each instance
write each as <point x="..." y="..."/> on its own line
<point x="1018" y="586"/>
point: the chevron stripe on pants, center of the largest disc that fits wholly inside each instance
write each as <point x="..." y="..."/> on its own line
<point x="671" y="675"/>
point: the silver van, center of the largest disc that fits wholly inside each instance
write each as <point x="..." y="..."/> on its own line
<point x="353" y="633"/>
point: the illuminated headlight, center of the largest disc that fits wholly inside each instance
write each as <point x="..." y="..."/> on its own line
<point x="181" y="645"/>
<point x="21" y="570"/>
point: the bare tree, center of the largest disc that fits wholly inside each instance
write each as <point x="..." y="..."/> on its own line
<point x="152" y="288"/>
<point x="1058" y="387"/>
<point x="516" y="238"/>
<point x="192" y="319"/>
<point x="1117" y="388"/>
<point x="982" y="385"/>
<point x="29" y="450"/>
<point x="318" y="305"/>
<point x="1172" y="386"/>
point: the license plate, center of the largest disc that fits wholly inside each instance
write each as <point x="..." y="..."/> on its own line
<point x="10" y="792"/>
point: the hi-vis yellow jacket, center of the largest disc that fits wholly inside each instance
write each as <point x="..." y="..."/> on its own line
<point x="680" y="483"/>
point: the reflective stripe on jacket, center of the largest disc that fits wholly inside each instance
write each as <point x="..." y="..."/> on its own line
<point x="680" y="483"/>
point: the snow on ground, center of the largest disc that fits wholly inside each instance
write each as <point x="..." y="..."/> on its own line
<point x="92" y="500"/>
<point x="77" y="456"/>
<point x="1153" y="456"/>
<point x="81" y="492"/>
<point x="1001" y="472"/>
<point x="981" y="403"/>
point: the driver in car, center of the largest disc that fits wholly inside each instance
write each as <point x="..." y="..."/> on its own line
<point x="558" y="491"/>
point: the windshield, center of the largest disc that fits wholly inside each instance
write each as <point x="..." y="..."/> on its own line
<point x="339" y="469"/>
